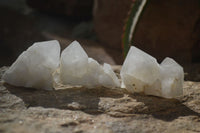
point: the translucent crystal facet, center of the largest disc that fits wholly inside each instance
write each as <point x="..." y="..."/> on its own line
<point x="77" y="69"/>
<point x="34" y="67"/>
<point x="139" y="70"/>
<point x="73" y="65"/>
<point x="141" y="73"/>
<point x="108" y="78"/>
<point x="172" y="77"/>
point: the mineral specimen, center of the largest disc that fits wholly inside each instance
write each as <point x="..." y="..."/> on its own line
<point x="141" y="73"/>
<point x="37" y="68"/>
<point x="139" y="69"/>
<point x="77" y="69"/>
<point x="109" y="78"/>
<point x="172" y="78"/>
<point x="34" y="67"/>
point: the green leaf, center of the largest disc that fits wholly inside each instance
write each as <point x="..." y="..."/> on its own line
<point x="129" y="29"/>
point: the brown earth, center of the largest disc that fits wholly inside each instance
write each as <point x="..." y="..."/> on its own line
<point x="82" y="110"/>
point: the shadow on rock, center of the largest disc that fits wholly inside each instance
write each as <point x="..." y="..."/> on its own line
<point x="83" y="99"/>
<point x="161" y="108"/>
<point x="94" y="101"/>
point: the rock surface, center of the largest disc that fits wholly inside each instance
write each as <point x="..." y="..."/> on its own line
<point x="81" y="110"/>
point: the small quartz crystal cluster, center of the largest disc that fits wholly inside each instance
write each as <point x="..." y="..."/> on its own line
<point x="140" y="72"/>
<point x="35" y="67"/>
<point x="77" y="69"/>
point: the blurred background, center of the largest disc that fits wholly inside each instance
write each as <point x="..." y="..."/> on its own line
<point x="165" y="29"/>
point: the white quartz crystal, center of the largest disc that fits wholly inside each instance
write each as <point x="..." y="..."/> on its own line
<point x="141" y="73"/>
<point x="34" y="67"/>
<point x="108" y="78"/>
<point x="172" y="77"/>
<point x="139" y="70"/>
<point x="77" y="69"/>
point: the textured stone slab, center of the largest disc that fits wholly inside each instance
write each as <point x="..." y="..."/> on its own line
<point x="96" y="110"/>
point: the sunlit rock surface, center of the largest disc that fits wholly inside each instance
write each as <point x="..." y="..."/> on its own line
<point x="77" y="69"/>
<point x="96" y="110"/>
<point x="34" y="67"/>
<point x="141" y="73"/>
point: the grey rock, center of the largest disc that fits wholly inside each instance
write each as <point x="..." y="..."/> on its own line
<point x="97" y="110"/>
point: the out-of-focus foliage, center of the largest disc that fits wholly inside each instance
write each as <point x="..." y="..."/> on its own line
<point x="131" y="23"/>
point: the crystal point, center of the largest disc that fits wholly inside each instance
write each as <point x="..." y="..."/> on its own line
<point x="34" y="67"/>
<point x="141" y="73"/>
<point x="109" y="78"/>
<point x="73" y="64"/>
<point x="172" y="77"/>
<point x="77" y="69"/>
<point x="139" y="70"/>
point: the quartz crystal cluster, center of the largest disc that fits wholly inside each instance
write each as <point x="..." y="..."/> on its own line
<point x="77" y="69"/>
<point x="34" y="67"/>
<point x="141" y="73"/>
